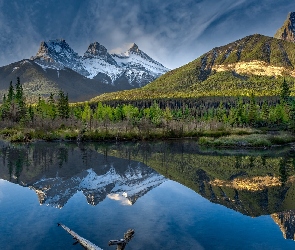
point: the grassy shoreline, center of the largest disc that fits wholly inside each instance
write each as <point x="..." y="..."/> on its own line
<point x="249" y="141"/>
<point x="225" y="138"/>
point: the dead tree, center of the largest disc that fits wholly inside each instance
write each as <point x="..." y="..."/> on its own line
<point x="121" y="244"/>
<point x="83" y="242"/>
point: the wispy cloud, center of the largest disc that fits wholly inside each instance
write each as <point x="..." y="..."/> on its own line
<point x="172" y="32"/>
<point x="121" y="49"/>
<point x="123" y="200"/>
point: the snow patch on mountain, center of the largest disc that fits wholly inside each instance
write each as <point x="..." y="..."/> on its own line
<point x="135" y="58"/>
<point x="45" y="65"/>
<point x="135" y="65"/>
<point x="58" y="54"/>
<point x="125" y="187"/>
<point x="94" y="66"/>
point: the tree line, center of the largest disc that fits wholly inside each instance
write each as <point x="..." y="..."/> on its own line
<point x="55" y="111"/>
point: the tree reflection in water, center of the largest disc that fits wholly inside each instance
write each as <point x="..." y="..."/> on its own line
<point x="253" y="183"/>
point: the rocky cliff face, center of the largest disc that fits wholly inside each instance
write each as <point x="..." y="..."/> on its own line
<point x="57" y="54"/>
<point x="254" y="64"/>
<point x="286" y="222"/>
<point x="125" y="187"/>
<point x="56" y="66"/>
<point x="139" y="68"/>
<point x="135" y="66"/>
<point x="96" y="50"/>
<point x="287" y="31"/>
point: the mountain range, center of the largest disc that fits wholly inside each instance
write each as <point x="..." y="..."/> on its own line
<point x="57" y="173"/>
<point x="255" y="63"/>
<point x="249" y="182"/>
<point x="56" y="66"/>
<point x="239" y="180"/>
<point x="125" y="187"/>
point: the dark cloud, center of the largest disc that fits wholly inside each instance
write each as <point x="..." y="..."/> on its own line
<point x="173" y="32"/>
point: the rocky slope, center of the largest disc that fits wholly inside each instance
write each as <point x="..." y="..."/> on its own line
<point x="287" y="31"/>
<point x="57" y="66"/>
<point x="249" y="184"/>
<point x="134" y="65"/>
<point x="58" y="172"/>
<point x="286" y="222"/>
<point x="255" y="63"/>
<point x="125" y="187"/>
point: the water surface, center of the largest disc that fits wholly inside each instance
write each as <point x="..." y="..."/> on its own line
<point x="173" y="194"/>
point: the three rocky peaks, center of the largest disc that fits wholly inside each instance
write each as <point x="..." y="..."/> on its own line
<point x="57" y="66"/>
<point x="136" y="66"/>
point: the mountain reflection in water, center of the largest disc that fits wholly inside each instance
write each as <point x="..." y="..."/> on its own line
<point x="58" y="172"/>
<point x="250" y="182"/>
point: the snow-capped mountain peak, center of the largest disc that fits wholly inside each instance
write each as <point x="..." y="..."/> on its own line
<point x="57" y="54"/>
<point x="139" y="65"/>
<point x="55" y="49"/>
<point x="133" y="67"/>
<point x="43" y="51"/>
<point x="134" y="48"/>
<point x="98" y="51"/>
<point x="135" y="182"/>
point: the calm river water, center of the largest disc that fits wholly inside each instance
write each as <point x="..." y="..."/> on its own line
<point x="174" y="194"/>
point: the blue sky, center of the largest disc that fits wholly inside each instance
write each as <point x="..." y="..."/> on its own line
<point x="174" y="32"/>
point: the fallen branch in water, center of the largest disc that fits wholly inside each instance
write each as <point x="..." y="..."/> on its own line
<point x="83" y="242"/>
<point x="121" y="244"/>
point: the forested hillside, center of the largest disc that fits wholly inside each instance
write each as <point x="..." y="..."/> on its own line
<point x="255" y="64"/>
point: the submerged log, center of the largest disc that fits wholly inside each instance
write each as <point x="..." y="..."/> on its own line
<point x="121" y="244"/>
<point x="83" y="242"/>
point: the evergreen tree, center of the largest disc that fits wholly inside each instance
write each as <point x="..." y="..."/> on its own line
<point x="292" y="115"/>
<point x="20" y="99"/>
<point x="4" y="107"/>
<point x="51" y="107"/>
<point x="236" y="114"/>
<point x="264" y="113"/>
<point x="66" y="107"/>
<point x="41" y="108"/>
<point x="285" y="92"/>
<point x="18" y="90"/>
<point x="31" y="113"/>
<point x="14" y="107"/>
<point x="51" y="99"/>
<point x="10" y="95"/>
<point x="220" y="112"/>
<point x="63" y="105"/>
<point x="252" y="110"/>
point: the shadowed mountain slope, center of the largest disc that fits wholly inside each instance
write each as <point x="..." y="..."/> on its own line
<point x="56" y="66"/>
<point x="255" y="64"/>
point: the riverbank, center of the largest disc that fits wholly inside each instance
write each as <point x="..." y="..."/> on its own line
<point x="255" y="140"/>
<point x="227" y="138"/>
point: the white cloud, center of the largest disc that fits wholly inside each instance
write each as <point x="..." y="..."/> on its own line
<point x="122" y="199"/>
<point x="121" y="49"/>
<point x="172" y="32"/>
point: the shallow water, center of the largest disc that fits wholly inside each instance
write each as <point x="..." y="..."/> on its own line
<point x="173" y="194"/>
